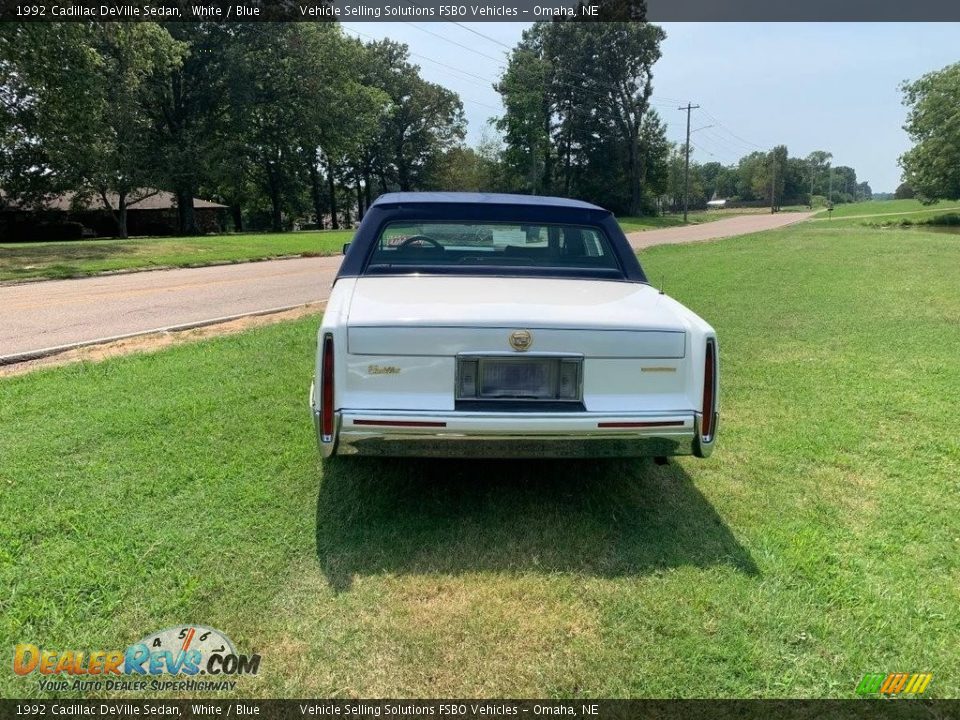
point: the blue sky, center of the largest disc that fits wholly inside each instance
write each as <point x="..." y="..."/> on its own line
<point x="811" y="86"/>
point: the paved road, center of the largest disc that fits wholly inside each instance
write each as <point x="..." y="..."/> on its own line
<point x="728" y="227"/>
<point x="56" y="313"/>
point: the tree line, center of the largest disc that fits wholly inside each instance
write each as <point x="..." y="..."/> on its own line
<point x="298" y="123"/>
<point x="579" y="121"/>
<point x="771" y="179"/>
<point x="276" y="120"/>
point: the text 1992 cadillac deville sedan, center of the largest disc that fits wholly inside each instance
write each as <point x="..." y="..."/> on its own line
<point x="470" y="325"/>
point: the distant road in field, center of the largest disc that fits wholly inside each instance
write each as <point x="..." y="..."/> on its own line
<point x="728" y="227"/>
<point x="888" y="214"/>
<point x="39" y="318"/>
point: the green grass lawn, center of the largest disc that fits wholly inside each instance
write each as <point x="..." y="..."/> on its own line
<point x="819" y="542"/>
<point x="21" y="261"/>
<point x="880" y="210"/>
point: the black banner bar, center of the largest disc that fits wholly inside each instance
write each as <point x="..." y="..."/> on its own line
<point x="480" y="10"/>
<point x="806" y="11"/>
<point x="488" y="709"/>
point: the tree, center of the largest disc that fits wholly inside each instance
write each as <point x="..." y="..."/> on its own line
<point x="819" y="166"/>
<point x="844" y="184"/>
<point x="185" y="106"/>
<point x="421" y="120"/>
<point x="341" y="118"/>
<point x="617" y="63"/>
<point x="795" y="180"/>
<point x="768" y="176"/>
<point x="904" y="192"/>
<point x="261" y="136"/>
<point x="527" y="124"/>
<point x="85" y="88"/>
<point x="24" y="167"/>
<point x="490" y="168"/>
<point x="751" y="176"/>
<point x="932" y="165"/>
<point x="279" y="120"/>
<point x="676" y="181"/>
<point x="718" y="181"/>
<point x="459" y="170"/>
<point x="578" y="119"/>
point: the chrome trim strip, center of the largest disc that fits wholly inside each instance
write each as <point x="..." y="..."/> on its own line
<point x="420" y="324"/>
<point x="703" y="448"/>
<point x="507" y="446"/>
<point x="453" y="442"/>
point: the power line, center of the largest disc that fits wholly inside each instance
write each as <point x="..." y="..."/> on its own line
<point x="703" y="150"/>
<point x="713" y="152"/>
<point x="485" y="81"/>
<point x="730" y="132"/>
<point x="477" y="102"/>
<point x="654" y="100"/>
<point x="732" y="153"/>
<point x="454" y="42"/>
<point x="480" y="34"/>
<point x="449" y="68"/>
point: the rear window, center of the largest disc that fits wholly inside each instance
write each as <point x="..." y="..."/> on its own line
<point x="509" y="247"/>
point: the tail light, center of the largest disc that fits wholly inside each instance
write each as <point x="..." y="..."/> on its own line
<point x="326" y="390"/>
<point x="709" y="391"/>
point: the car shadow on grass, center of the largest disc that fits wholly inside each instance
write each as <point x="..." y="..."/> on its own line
<point x="605" y="518"/>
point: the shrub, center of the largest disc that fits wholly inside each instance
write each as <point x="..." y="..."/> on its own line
<point x="949" y="219"/>
<point x="43" y="231"/>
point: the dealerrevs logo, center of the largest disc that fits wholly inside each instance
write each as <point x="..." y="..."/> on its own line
<point x="183" y="652"/>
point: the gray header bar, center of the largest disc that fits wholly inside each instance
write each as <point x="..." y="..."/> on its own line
<point x="482" y="10"/>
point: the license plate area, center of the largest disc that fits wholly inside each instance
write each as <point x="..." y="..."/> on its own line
<point x="519" y="379"/>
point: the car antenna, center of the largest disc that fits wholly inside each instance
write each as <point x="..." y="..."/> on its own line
<point x="662" y="278"/>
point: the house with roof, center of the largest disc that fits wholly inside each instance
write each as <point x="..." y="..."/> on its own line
<point x="71" y="216"/>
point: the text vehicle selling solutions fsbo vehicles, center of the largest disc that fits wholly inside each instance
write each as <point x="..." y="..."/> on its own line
<point x="470" y="325"/>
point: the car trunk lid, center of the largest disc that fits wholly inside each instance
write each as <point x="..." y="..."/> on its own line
<point x="447" y="316"/>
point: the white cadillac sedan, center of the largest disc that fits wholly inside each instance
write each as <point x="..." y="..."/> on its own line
<point x="472" y="325"/>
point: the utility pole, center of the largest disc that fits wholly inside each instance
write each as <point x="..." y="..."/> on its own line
<point x="686" y="163"/>
<point x="773" y="181"/>
<point x="830" y="192"/>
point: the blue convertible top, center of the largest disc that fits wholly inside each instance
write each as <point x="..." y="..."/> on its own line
<point x="486" y="207"/>
<point x="400" y="199"/>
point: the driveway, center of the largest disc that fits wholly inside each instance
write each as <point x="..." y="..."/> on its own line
<point x="728" y="227"/>
<point x="42" y="318"/>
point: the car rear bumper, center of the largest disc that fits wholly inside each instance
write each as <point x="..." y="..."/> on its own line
<point x="515" y="435"/>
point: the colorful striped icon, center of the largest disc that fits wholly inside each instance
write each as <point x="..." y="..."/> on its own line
<point x="894" y="683"/>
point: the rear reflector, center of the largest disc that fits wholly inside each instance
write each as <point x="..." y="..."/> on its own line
<point x="709" y="391"/>
<point x="326" y="390"/>
<point x="651" y="423"/>
<point x="401" y="423"/>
